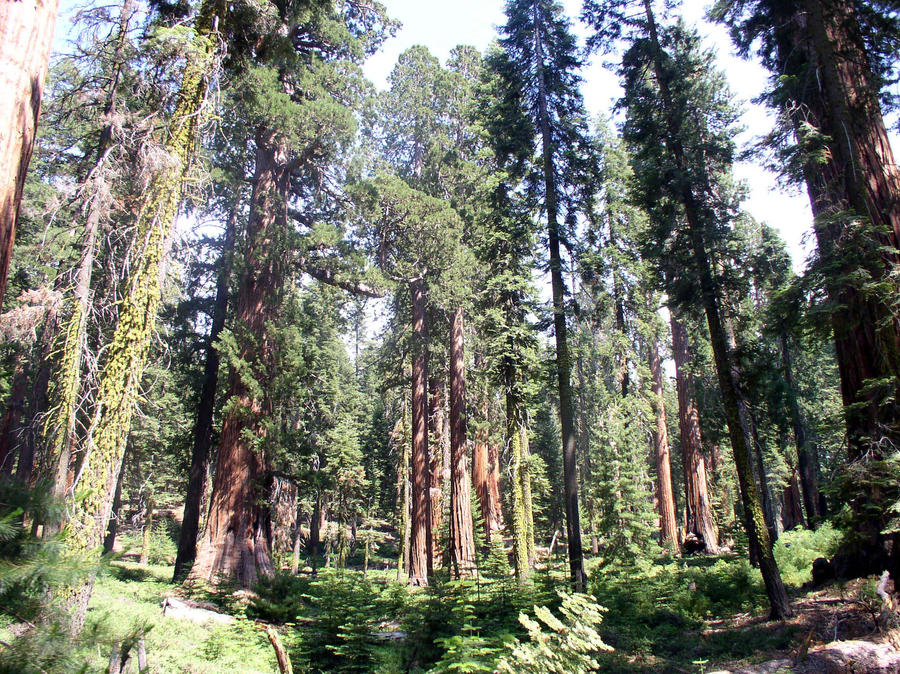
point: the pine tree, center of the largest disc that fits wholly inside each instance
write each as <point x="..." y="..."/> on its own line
<point x="543" y="58"/>
<point x="688" y="157"/>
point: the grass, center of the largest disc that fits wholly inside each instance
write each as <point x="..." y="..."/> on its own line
<point x="130" y="596"/>
<point x="664" y="614"/>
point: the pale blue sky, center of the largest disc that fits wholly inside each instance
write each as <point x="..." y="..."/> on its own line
<point x="441" y="25"/>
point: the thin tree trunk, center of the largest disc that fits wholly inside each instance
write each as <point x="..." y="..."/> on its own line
<point x="807" y="456"/>
<point x="563" y="363"/>
<point x="668" y="527"/>
<point x="754" y="522"/>
<point x="147" y="530"/>
<point x="315" y="531"/>
<point x="295" y="552"/>
<point x="109" y="541"/>
<point x="236" y="544"/>
<point x="462" y="539"/>
<point x="420" y="539"/>
<point x="203" y="427"/>
<point x="26" y="34"/>
<point x="699" y="520"/>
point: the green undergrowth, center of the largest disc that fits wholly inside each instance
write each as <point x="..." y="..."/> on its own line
<point x="672" y="613"/>
<point x="129" y="598"/>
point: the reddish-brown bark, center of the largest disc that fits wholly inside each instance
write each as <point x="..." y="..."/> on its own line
<point x="26" y="33"/>
<point x="668" y="529"/>
<point x="791" y="513"/>
<point x="420" y="544"/>
<point x="462" y="539"/>
<point x="859" y="179"/>
<point x="203" y="426"/>
<point x="436" y="429"/>
<point x="698" y="520"/>
<point x="237" y="539"/>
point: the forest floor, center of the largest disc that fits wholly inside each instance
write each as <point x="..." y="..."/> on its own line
<point x="699" y="614"/>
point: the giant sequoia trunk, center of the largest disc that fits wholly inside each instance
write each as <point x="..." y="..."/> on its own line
<point x="668" y="527"/>
<point x="203" y="427"/>
<point x="436" y="430"/>
<point x="754" y="523"/>
<point x="563" y="358"/>
<point x="857" y="186"/>
<point x="698" y="520"/>
<point x="420" y="550"/>
<point x="236" y="543"/>
<point x="462" y="539"/>
<point x="126" y="354"/>
<point x="26" y="33"/>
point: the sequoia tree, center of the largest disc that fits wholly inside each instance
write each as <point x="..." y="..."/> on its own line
<point x="542" y="52"/>
<point x="680" y="156"/>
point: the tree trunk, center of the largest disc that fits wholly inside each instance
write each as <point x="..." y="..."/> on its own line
<point x="698" y="520"/>
<point x="11" y="424"/>
<point x="563" y="362"/>
<point x="316" y="524"/>
<point x="860" y="177"/>
<point x="791" y="513"/>
<point x="109" y="541"/>
<point x="203" y="427"/>
<point x="436" y="468"/>
<point x="462" y="539"/>
<point x="57" y="435"/>
<point x="26" y="34"/>
<point x="126" y="354"/>
<point x="420" y="553"/>
<point x="754" y="522"/>
<point x="807" y="455"/>
<point x="147" y="530"/>
<point x="668" y="528"/>
<point x="485" y="477"/>
<point x="236" y="544"/>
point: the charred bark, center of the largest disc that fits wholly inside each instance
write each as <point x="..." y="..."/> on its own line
<point x="203" y="427"/>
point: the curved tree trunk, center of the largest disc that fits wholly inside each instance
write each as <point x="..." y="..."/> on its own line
<point x="26" y="34"/>
<point x="699" y="520"/>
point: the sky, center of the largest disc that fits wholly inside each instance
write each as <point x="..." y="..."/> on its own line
<point x="440" y="25"/>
